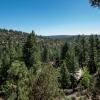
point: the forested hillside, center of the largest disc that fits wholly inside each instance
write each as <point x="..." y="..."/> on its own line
<point x="49" y="68"/>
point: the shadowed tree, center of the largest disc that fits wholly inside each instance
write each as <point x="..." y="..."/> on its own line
<point x="95" y="3"/>
<point x="91" y="61"/>
<point x="64" y="51"/>
<point x="97" y="47"/>
<point x="80" y="50"/>
<point x="45" y="56"/>
<point x="65" y="76"/>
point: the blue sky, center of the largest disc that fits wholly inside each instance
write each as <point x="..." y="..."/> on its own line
<point x="50" y="17"/>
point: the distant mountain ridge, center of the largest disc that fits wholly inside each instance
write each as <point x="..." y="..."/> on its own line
<point x="59" y="36"/>
<point x="5" y="33"/>
<point x="66" y="37"/>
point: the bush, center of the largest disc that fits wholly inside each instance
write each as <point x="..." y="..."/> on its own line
<point x="86" y="78"/>
<point x="73" y="98"/>
<point x="16" y="86"/>
<point x="45" y="84"/>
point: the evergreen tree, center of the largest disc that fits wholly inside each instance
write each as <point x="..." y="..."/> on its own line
<point x="44" y="86"/>
<point x="73" y="70"/>
<point x="97" y="83"/>
<point x="18" y="49"/>
<point x="83" y="50"/>
<point x="65" y="56"/>
<point x="91" y="62"/>
<point x="5" y="63"/>
<point x="11" y="48"/>
<point x="64" y="51"/>
<point x="86" y="78"/>
<point x="31" y="53"/>
<point x="16" y="87"/>
<point x="97" y="47"/>
<point x="65" y="76"/>
<point x="68" y="57"/>
<point x="78" y="54"/>
<point x="80" y="51"/>
<point x="45" y="56"/>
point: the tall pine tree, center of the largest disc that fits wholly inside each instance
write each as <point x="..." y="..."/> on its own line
<point x="64" y="51"/>
<point x="91" y="62"/>
<point x="31" y="53"/>
<point x="97" y="47"/>
<point x="65" y="76"/>
<point x="45" y="56"/>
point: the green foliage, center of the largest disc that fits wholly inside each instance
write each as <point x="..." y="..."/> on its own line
<point x="83" y="98"/>
<point x="17" y="82"/>
<point x="73" y="98"/>
<point x="80" y="50"/>
<point x="45" y="85"/>
<point x="65" y="76"/>
<point x="45" y="56"/>
<point x="64" y="51"/>
<point x="69" y="63"/>
<point x="98" y="80"/>
<point x="91" y="61"/>
<point x="97" y="49"/>
<point x="12" y="51"/>
<point x="31" y="52"/>
<point x="95" y="3"/>
<point x="86" y="78"/>
<point x="3" y="68"/>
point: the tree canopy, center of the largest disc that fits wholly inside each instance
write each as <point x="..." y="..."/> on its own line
<point x="95" y="3"/>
